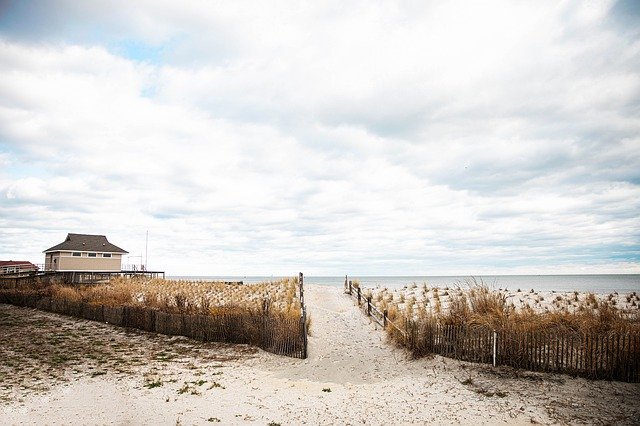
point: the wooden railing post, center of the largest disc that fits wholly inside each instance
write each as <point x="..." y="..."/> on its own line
<point x="303" y="317"/>
<point x="350" y="287"/>
<point x="304" y="333"/>
<point x="301" y="281"/>
<point x="359" y="296"/>
<point x="384" y="319"/>
<point x="368" y="306"/>
<point x="495" y="335"/>
<point x="346" y="284"/>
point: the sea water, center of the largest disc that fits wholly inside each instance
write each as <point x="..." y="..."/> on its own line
<point x="602" y="284"/>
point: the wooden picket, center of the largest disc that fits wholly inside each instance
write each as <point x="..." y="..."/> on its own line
<point x="274" y="333"/>
<point x="611" y="355"/>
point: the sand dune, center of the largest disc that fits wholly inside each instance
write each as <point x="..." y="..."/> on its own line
<point x="352" y="376"/>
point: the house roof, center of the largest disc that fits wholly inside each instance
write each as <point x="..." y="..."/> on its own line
<point x="16" y="263"/>
<point x="84" y="242"/>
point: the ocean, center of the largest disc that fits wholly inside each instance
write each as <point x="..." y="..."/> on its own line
<point x="602" y="284"/>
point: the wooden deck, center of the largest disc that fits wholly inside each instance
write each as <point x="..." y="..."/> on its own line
<point x="76" y="277"/>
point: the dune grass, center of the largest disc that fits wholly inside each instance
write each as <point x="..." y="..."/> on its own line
<point x="267" y="315"/>
<point x="480" y="305"/>
<point x="586" y="334"/>
<point x="182" y="296"/>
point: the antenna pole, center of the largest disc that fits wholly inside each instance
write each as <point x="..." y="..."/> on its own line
<point x="146" y="250"/>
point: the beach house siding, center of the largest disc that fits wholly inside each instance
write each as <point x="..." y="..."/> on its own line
<point x="66" y="261"/>
<point x="81" y="252"/>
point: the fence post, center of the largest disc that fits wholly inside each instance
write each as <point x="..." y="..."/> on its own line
<point x="368" y="306"/>
<point x="304" y="332"/>
<point x="359" y="296"/>
<point x="350" y="288"/>
<point x="495" y="335"/>
<point x="303" y="318"/>
<point x="384" y="319"/>
<point x="301" y="281"/>
<point x="346" y="284"/>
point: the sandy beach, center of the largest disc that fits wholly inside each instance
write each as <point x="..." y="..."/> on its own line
<point x="60" y="370"/>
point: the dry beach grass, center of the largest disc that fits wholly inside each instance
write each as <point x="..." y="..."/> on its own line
<point x="208" y="297"/>
<point x="595" y="336"/>
<point x="267" y="315"/>
<point x="475" y="303"/>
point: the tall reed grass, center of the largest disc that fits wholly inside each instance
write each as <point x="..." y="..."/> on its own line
<point x="268" y="314"/>
<point x="182" y="296"/>
<point x="587" y="334"/>
<point x="480" y="305"/>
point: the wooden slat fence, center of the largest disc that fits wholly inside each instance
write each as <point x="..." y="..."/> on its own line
<point x="272" y="332"/>
<point x="607" y="355"/>
<point x="369" y="308"/>
<point x="613" y="356"/>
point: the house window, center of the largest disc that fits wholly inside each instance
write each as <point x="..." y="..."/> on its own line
<point x="93" y="255"/>
<point x="77" y="254"/>
<point x="106" y="254"/>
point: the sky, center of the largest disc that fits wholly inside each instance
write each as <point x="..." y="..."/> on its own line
<point x="328" y="137"/>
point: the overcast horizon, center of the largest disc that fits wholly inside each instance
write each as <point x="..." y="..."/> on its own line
<point x="361" y="138"/>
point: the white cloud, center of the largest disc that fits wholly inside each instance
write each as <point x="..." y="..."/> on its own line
<point x="383" y="138"/>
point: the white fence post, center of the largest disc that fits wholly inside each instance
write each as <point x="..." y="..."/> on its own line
<point x="495" y="336"/>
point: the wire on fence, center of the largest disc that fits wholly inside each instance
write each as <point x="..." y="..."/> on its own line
<point x="371" y="310"/>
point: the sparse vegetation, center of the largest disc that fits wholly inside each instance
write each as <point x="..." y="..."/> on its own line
<point x="564" y="318"/>
<point x="95" y="351"/>
<point x="265" y="314"/>
<point x="153" y="384"/>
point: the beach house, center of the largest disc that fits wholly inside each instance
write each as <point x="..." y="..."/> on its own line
<point x="16" y="267"/>
<point x="82" y="252"/>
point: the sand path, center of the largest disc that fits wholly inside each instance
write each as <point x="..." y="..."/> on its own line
<point x="343" y="345"/>
<point x="352" y="376"/>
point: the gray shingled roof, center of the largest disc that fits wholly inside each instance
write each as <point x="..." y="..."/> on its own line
<point x="83" y="242"/>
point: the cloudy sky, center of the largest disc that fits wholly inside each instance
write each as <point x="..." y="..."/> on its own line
<point x="332" y="137"/>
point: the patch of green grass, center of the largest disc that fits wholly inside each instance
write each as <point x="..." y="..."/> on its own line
<point x="60" y="359"/>
<point x="164" y="356"/>
<point x="188" y="388"/>
<point x="485" y="392"/>
<point x="153" y="384"/>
